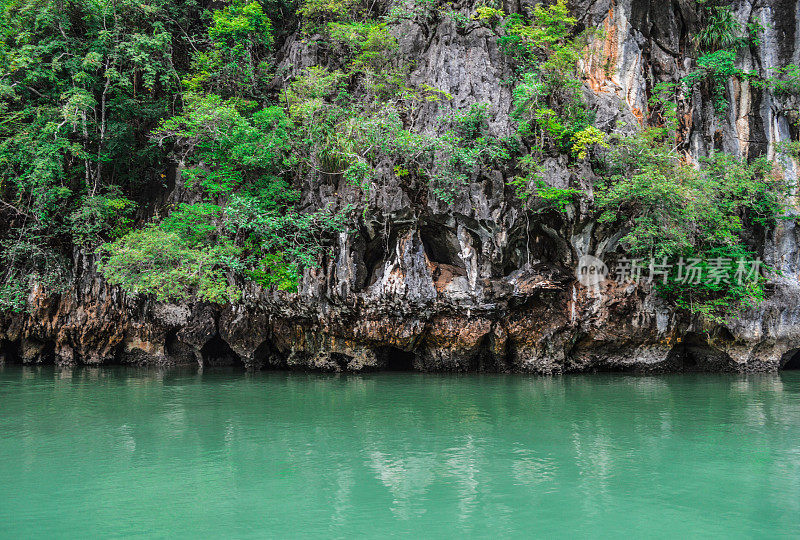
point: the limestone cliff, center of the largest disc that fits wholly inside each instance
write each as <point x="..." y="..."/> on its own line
<point x="478" y="284"/>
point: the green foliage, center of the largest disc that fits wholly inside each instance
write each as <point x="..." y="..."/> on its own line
<point x="277" y="245"/>
<point x="85" y="85"/>
<point x="197" y="251"/>
<point x="535" y="194"/>
<point x="237" y="63"/>
<point x="13" y="294"/>
<point x="353" y="137"/>
<point x="720" y="31"/>
<point x="317" y="13"/>
<point x="549" y="47"/>
<point x="671" y="210"/>
<point x="543" y="124"/>
<point x="785" y="80"/>
<point x="788" y="149"/>
<point x="548" y="102"/>
<point x="102" y="217"/>
<point x="709" y="299"/>
<point x="548" y="31"/>
<point x="720" y="39"/>
<point x="372" y="49"/>
<point x="29" y="261"/>
<point x="490" y="14"/>
<point x="224" y="144"/>
<point x="716" y="69"/>
<point x="422" y="12"/>
<point x="240" y="158"/>
<point x="196" y="224"/>
<point x="96" y="98"/>
<point x="463" y="149"/>
<point x="81" y="84"/>
<point x="663" y="104"/>
<point x="586" y="138"/>
<point x="164" y="264"/>
<point x="461" y="19"/>
<point x="353" y="145"/>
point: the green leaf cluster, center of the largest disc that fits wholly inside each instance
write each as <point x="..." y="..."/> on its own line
<point x="719" y="40"/>
<point x="670" y="209"/>
<point x="548" y="104"/>
<point x="81" y="84"/>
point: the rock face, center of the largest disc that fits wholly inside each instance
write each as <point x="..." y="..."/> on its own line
<point x="479" y="284"/>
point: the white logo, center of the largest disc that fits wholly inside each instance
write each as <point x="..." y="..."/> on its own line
<point x="591" y="271"/>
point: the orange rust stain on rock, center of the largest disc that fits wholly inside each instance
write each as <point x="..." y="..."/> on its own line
<point x="637" y="112"/>
<point x="602" y="55"/>
<point x="684" y="127"/>
<point x="443" y="274"/>
<point x="457" y="332"/>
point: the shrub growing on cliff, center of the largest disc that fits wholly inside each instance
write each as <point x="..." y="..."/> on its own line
<point x="548" y="103"/>
<point x="238" y="157"/>
<point x="81" y="84"/>
<point x="154" y="261"/>
<point x="720" y="40"/>
<point x="671" y="207"/>
<point x="238" y="61"/>
<point x="246" y="227"/>
<point x="102" y="217"/>
<point x="720" y="30"/>
<point x="672" y="210"/>
<point x="535" y="194"/>
<point x="29" y="261"/>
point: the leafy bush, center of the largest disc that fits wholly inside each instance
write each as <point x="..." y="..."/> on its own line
<point x="672" y="210"/>
<point x="213" y="132"/>
<point x="28" y="261"/>
<point x="238" y="158"/>
<point x="81" y="85"/>
<point x="716" y="69"/>
<point x="720" y="39"/>
<point x="487" y="13"/>
<point x="548" y="104"/>
<point x="101" y="217"/>
<point x="161" y="263"/>
<point x="585" y="139"/>
<point x="536" y="195"/>
<point x="720" y="30"/>
<point x="373" y="51"/>
<point x="785" y="80"/>
<point x="316" y="13"/>
<point x="237" y="63"/>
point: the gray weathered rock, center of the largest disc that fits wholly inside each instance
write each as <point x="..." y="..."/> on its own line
<point x="478" y="285"/>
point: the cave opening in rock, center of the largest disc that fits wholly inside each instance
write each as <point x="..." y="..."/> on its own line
<point x="791" y="360"/>
<point x="48" y="353"/>
<point x="36" y="351"/>
<point x="484" y="360"/>
<point x="264" y="355"/>
<point x="398" y="359"/>
<point x="441" y="245"/>
<point x="694" y="353"/>
<point x="530" y="245"/>
<point x="177" y="351"/>
<point x="217" y="352"/>
<point x="341" y="359"/>
<point x="9" y="352"/>
<point x="375" y="255"/>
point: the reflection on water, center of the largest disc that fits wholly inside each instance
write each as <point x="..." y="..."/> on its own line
<point x="182" y="452"/>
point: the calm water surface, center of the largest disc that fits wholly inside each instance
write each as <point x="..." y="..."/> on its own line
<point x="127" y="452"/>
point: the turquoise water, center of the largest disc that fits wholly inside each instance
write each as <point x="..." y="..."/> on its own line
<point x="128" y="452"/>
